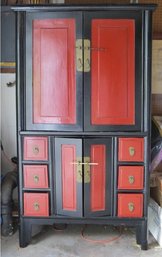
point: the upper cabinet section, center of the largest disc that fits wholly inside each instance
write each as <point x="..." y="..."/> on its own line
<point x="83" y="71"/>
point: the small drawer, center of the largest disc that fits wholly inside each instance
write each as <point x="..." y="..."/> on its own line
<point x="36" y="204"/>
<point x="36" y="148"/>
<point x="131" y="149"/>
<point x="130" y="205"/>
<point x="35" y="176"/>
<point x="130" y="177"/>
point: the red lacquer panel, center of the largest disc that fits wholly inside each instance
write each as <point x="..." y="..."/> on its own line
<point x="36" y="148"/>
<point x="131" y="149"/>
<point x="113" y="72"/>
<point x="130" y="177"/>
<point x="36" y="204"/>
<point x="69" y="190"/>
<point x="130" y="205"/>
<point x="54" y="87"/>
<point x="35" y="176"/>
<point x="98" y="177"/>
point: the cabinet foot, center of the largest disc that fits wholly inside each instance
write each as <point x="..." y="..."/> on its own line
<point x="142" y="235"/>
<point x="25" y="232"/>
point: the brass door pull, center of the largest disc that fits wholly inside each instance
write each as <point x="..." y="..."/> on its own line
<point x="84" y="163"/>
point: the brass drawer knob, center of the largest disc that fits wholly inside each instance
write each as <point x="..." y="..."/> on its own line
<point x="36" y="206"/>
<point x="131" y="207"/>
<point x="35" y="149"/>
<point x="131" y="151"/>
<point x="131" y="179"/>
<point x="36" y="178"/>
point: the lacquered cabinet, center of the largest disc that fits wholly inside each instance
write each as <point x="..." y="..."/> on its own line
<point x="83" y="108"/>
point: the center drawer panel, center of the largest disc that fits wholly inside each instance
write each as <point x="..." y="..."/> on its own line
<point x="36" y="204"/>
<point x="130" y="177"/>
<point x="35" y="176"/>
<point x="131" y="149"/>
<point x="36" y="148"/>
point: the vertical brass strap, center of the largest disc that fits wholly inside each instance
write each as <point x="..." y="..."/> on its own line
<point x="86" y="170"/>
<point x="87" y="60"/>
<point x="79" y="55"/>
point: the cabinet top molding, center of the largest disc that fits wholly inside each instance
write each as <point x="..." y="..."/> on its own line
<point x="94" y="7"/>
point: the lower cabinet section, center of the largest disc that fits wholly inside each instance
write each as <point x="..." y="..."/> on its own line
<point x="36" y="204"/>
<point x="83" y="180"/>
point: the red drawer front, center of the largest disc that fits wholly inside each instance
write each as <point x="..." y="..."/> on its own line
<point x="35" y="176"/>
<point x="130" y="177"/>
<point x="131" y="149"/>
<point x="36" y="204"/>
<point x="36" y="148"/>
<point x="130" y="205"/>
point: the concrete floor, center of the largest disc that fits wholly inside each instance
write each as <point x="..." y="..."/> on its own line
<point x="70" y="243"/>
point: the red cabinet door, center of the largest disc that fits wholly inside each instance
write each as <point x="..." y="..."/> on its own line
<point x="113" y="100"/>
<point x="97" y="179"/>
<point x="68" y="180"/>
<point x="54" y="85"/>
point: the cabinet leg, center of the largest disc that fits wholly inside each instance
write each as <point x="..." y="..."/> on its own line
<point x="142" y="235"/>
<point x="138" y="235"/>
<point x="25" y="231"/>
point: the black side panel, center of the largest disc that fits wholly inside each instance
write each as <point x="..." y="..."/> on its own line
<point x="8" y="31"/>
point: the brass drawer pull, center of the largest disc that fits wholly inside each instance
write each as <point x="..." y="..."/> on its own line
<point x="131" y="207"/>
<point x="131" y="151"/>
<point x="36" y="206"/>
<point x="36" y="178"/>
<point x="131" y="179"/>
<point x="35" y="149"/>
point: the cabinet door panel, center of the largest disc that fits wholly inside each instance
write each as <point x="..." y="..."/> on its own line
<point x="98" y="190"/>
<point x="55" y="91"/>
<point x="114" y="85"/>
<point x="68" y="189"/>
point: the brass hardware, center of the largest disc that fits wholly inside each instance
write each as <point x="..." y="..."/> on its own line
<point x="36" y="206"/>
<point x="87" y="61"/>
<point x="79" y="55"/>
<point x="8" y="64"/>
<point x="35" y="149"/>
<point x="36" y="178"/>
<point x="87" y="176"/>
<point x="131" y="179"/>
<point x="131" y="151"/>
<point x="87" y="165"/>
<point x="78" y="164"/>
<point x="131" y="207"/>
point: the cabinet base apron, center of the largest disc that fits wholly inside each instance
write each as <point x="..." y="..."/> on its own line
<point x="140" y="226"/>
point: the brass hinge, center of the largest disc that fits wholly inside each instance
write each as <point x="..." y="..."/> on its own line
<point x="83" y="45"/>
<point x="79" y="54"/>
